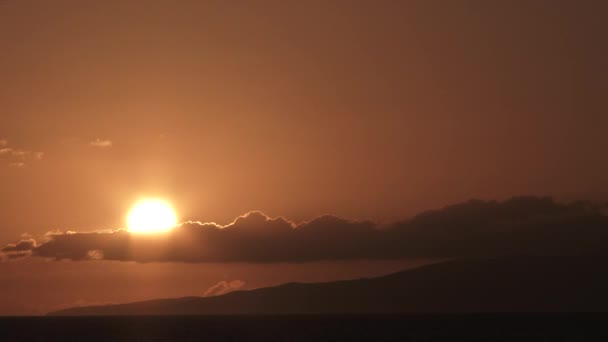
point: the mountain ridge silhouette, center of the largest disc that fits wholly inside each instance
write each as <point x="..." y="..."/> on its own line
<point x="510" y="284"/>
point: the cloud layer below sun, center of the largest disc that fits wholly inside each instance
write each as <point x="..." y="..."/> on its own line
<point x="522" y="225"/>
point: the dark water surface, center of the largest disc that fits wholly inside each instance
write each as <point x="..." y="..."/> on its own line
<point x="494" y="327"/>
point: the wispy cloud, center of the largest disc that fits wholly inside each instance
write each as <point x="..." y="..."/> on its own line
<point x="224" y="287"/>
<point x="101" y="143"/>
<point x="17" y="157"/>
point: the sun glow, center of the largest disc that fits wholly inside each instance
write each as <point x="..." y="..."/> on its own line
<point x="151" y="216"/>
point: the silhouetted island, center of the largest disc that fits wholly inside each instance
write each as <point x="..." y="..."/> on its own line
<point x="514" y="284"/>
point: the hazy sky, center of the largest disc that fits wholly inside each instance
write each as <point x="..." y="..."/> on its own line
<point x="362" y="109"/>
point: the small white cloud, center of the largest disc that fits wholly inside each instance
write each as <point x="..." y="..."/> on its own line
<point x="101" y="143"/>
<point x="224" y="287"/>
<point x="17" y="165"/>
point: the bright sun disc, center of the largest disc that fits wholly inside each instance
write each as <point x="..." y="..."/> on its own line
<point x="151" y="216"/>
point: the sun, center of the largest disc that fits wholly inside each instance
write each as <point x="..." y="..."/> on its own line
<point x="151" y="216"/>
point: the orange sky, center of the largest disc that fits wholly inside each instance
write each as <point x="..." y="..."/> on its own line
<point x="362" y="109"/>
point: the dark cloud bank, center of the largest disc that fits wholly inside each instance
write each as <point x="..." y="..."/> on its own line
<point x="519" y="226"/>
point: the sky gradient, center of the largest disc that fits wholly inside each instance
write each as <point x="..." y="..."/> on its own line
<point x="364" y="110"/>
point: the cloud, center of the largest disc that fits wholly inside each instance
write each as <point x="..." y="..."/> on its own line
<point x="101" y="143"/>
<point x="21" y="154"/>
<point x="23" y="245"/>
<point x="224" y="287"/>
<point x="19" y="250"/>
<point x="17" y="158"/>
<point x="521" y="225"/>
<point x="18" y="255"/>
<point x="4" y="257"/>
